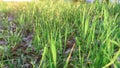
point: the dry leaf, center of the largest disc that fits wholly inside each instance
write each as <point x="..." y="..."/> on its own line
<point x="2" y="41"/>
<point x="69" y="44"/>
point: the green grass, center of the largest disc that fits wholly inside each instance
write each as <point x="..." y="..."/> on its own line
<point x="95" y="27"/>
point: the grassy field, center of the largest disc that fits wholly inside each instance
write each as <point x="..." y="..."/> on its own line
<point x="59" y="35"/>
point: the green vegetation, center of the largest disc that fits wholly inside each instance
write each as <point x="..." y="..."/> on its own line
<point x="59" y="35"/>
